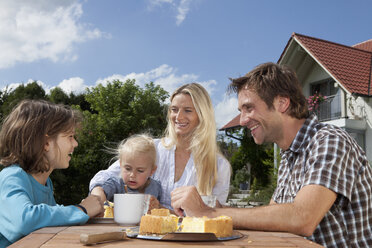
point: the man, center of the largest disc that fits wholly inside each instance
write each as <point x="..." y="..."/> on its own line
<point x="324" y="188"/>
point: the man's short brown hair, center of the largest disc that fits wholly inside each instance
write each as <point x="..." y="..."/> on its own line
<point x="270" y="80"/>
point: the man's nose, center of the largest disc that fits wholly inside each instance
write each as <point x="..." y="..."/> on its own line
<point x="244" y="119"/>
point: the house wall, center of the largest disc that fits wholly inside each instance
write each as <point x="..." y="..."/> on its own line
<point x="315" y="74"/>
<point x="356" y="108"/>
<point x="364" y="110"/>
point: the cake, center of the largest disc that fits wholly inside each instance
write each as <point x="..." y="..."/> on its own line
<point x="109" y="210"/>
<point x="221" y="226"/>
<point x="160" y="212"/>
<point x="160" y="221"/>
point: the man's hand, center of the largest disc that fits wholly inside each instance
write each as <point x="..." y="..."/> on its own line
<point x="187" y="200"/>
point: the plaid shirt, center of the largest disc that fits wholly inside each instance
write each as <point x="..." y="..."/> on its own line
<point x="326" y="155"/>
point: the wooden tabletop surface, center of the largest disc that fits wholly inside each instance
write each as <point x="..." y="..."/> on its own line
<point x="69" y="236"/>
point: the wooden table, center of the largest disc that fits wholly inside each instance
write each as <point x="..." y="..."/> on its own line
<point x="69" y="236"/>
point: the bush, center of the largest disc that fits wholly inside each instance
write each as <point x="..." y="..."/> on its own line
<point x="241" y="176"/>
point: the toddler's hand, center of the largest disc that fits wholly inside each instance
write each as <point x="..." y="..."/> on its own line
<point x="154" y="203"/>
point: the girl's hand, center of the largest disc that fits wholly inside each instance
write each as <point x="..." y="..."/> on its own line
<point x="94" y="205"/>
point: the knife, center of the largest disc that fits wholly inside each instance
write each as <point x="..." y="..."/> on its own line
<point x="92" y="238"/>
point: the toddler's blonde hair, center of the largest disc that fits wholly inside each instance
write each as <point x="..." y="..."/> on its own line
<point x="138" y="144"/>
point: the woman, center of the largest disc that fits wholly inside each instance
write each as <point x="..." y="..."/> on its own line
<point x="188" y="154"/>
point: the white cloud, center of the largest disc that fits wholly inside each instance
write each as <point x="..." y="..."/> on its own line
<point x="41" y="29"/>
<point x="226" y="110"/>
<point x="160" y="2"/>
<point x="74" y="84"/>
<point x="182" y="7"/>
<point x="164" y="75"/>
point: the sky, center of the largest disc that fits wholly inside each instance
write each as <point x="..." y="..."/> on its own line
<point x="75" y="44"/>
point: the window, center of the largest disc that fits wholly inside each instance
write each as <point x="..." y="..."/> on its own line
<point x="331" y="108"/>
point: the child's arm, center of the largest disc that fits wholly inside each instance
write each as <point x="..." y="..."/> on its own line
<point x="102" y="176"/>
<point x="25" y="206"/>
<point x="98" y="191"/>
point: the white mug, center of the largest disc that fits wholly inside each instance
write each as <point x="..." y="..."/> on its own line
<point x="129" y="208"/>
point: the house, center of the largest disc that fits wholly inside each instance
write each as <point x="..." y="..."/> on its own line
<point x="341" y="73"/>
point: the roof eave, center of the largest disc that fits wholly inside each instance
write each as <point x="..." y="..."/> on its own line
<point x="321" y="65"/>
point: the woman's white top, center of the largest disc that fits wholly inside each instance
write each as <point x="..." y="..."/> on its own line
<point x="165" y="174"/>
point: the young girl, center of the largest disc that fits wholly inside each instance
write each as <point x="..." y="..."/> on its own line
<point x="36" y="138"/>
<point x="137" y="158"/>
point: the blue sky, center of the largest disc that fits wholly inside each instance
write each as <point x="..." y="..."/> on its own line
<point x="76" y="44"/>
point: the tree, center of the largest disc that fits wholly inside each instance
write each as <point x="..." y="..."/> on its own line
<point x="118" y="110"/>
<point x="228" y="148"/>
<point x="57" y="95"/>
<point x="29" y="91"/>
<point x="3" y="98"/>
<point x="258" y="156"/>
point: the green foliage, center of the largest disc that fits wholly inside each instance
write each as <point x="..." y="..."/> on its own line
<point x="241" y="176"/>
<point x="117" y="111"/>
<point x="227" y="148"/>
<point x="263" y="194"/>
<point x="57" y="95"/>
<point x="258" y="156"/>
<point x="12" y="98"/>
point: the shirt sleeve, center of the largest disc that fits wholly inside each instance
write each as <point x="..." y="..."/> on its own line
<point x="221" y="189"/>
<point x="331" y="162"/>
<point x="21" y="216"/>
<point x="113" y="185"/>
<point x="102" y="176"/>
<point x="154" y="189"/>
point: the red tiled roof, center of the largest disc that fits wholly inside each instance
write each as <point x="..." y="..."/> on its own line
<point x="365" y="45"/>
<point x="350" y="66"/>
<point x="232" y="124"/>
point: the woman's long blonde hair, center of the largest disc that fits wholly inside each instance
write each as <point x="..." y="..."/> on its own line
<point x="203" y="145"/>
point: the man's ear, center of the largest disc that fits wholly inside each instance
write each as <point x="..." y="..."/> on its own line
<point x="282" y="103"/>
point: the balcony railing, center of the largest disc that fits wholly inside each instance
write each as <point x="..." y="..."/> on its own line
<point x="329" y="109"/>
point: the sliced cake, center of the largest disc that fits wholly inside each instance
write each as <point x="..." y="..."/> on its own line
<point x="221" y="226"/>
<point x="160" y="221"/>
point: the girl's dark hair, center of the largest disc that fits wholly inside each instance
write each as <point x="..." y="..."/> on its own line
<point x="24" y="132"/>
<point x="270" y="80"/>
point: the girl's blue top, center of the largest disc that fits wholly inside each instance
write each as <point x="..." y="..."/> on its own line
<point x="26" y="205"/>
